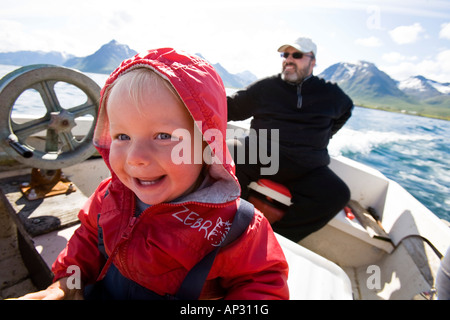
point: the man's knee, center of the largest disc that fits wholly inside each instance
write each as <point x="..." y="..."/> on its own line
<point x="336" y="191"/>
<point x="343" y="194"/>
<point x="337" y="197"/>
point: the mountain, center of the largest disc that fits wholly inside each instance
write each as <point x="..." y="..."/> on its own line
<point x="422" y="87"/>
<point x="246" y="77"/>
<point x="23" y="58"/>
<point x="363" y="80"/>
<point x="371" y="87"/>
<point x="104" y="60"/>
<point x="239" y="80"/>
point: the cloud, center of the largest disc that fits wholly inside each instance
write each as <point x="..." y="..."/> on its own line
<point x="15" y="36"/>
<point x="435" y="68"/>
<point x="407" y="34"/>
<point x="396" y="57"/>
<point x="369" y="42"/>
<point x="445" y="31"/>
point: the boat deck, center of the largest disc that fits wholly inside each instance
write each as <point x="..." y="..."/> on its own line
<point x="15" y="278"/>
<point x="33" y="232"/>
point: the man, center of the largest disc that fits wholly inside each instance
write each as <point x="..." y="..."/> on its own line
<point x="303" y="112"/>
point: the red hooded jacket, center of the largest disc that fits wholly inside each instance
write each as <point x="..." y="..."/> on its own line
<point x="158" y="248"/>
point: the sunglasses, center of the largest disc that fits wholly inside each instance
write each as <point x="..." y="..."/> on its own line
<point x="295" y="55"/>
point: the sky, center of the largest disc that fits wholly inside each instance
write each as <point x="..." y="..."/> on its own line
<point x="403" y="38"/>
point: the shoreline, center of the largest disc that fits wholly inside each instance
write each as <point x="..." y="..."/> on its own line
<point x="406" y="112"/>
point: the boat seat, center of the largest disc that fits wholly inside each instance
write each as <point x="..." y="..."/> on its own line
<point x="278" y="198"/>
<point x="312" y="277"/>
<point x="272" y="190"/>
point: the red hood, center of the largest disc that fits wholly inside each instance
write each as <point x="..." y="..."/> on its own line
<point x="202" y="91"/>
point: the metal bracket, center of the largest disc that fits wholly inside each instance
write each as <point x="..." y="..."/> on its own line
<point x="46" y="183"/>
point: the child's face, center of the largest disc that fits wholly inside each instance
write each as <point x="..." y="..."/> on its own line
<point x="141" y="145"/>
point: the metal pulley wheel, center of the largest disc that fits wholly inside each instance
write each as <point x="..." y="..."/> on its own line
<point x="61" y="134"/>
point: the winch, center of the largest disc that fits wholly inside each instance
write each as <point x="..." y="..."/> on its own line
<point x="60" y="137"/>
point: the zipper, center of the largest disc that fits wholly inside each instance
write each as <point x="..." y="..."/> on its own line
<point x="299" y="96"/>
<point x="125" y="236"/>
<point x="129" y="229"/>
<point x="124" y="247"/>
<point x="299" y="92"/>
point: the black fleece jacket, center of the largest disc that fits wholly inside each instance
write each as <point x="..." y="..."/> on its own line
<point x="307" y="115"/>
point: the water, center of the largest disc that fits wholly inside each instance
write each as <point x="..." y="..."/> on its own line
<point x="410" y="150"/>
<point x="413" y="151"/>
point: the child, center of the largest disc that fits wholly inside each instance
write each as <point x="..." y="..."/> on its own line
<point x="171" y="199"/>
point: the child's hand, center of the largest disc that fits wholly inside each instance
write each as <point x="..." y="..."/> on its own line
<point x="56" y="291"/>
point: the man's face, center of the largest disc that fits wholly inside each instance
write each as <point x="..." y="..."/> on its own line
<point x="296" y="70"/>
